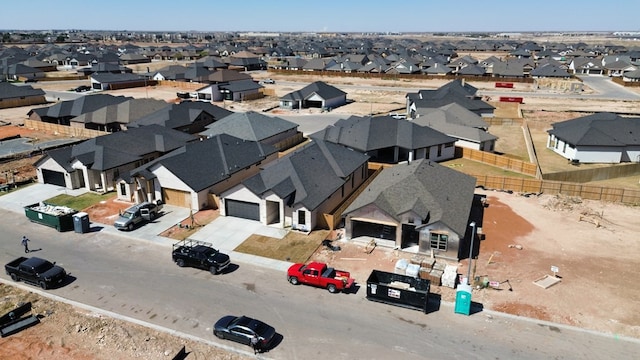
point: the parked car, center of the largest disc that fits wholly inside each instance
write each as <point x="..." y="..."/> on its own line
<point x="268" y="81"/>
<point x="36" y="271"/>
<point x="199" y="254"/>
<point x="242" y="329"/>
<point x="137" y="214"/>
<point x="82" y="88"/>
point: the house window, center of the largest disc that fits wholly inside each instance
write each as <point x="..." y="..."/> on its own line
<point x="439" y="150"/>
<point x="342" y="190"/>
<point x="123" y="189"/>
<point x="427" y="153"/>
<point x="302" y="217"/>
<point x="438" y="241"/>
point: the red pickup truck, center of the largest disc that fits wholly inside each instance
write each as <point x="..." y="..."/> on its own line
<point x="320" y="275"/>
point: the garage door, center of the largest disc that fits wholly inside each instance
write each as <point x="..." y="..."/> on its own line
<point x="379" y="231"/>
<point x="176" y="197"/>
<point x="242" y="209"/>
<point x="53" y="177"/>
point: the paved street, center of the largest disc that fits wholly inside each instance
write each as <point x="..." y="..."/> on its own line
<point x="131" y="275"/>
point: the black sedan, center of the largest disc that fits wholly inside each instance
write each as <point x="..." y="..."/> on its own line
<point x="82" y="88"/>
<point x="242" y="329"/>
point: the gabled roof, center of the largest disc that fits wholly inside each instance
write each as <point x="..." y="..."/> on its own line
<point x="182" y="114"/>
<point x="320" y="88"/>
<point x="600" y="129"/>
<point x="455" y="121"/>
<point x="432" y="191"/>
<point x="83" y="104"/>
<point x="10" y="91"/>
<point x="241" y="85"/>
<point x="115" y="78"/>
<point x="249" y="125"/>
<point x="226" y="75"/>
<point x="204" y="163"/>
<point x="309" y="175"/>
<point x="123" y="113"/>
<point x="373" y="133"/>
<point x="550" y="71"/>
<point x="120" y="148"/>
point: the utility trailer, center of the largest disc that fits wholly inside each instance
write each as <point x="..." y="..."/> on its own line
<point x="399" y="290"/>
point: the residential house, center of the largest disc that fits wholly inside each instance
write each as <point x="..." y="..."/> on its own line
<point x="190" y="117"/>
<point x="254" y="126"/>
<point x="388" y="140"/>
<point x="597" y="138"/>
<point x="298" y="188"/>
<point x="457" y="91"/>
<point x="62" y="112"/>
<point x="421" y="205"/>
<point x="238" y="90"/>
<point x="550" y="71"/>
<point x="97" y="164"/>
<point x="454" y="120"/>
<point x="15" y="96"/>
<point x="109" y="81"/>
<point x="317" y="94"/>
<point x="193" y="175"/>
<point x="116" y="117"/>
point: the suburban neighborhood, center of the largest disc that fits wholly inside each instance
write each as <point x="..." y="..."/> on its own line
<point x="233" y="139"/>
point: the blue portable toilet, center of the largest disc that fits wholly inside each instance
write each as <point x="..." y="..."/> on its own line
<point x="463" y="299"/>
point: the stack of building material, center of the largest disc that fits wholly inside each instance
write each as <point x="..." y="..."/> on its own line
<point x="428" y="262"/>
<point x="413" y="270"/>
<point x="401" y="267"/>
<point x="417" y="259"/>
<point x="435" y="276"/>
<point x="450" y="276"/>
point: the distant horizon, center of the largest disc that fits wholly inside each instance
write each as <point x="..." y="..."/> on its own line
<point x="287" y="16"/>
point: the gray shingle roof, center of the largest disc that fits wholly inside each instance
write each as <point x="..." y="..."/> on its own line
<point x="249" y="126"/>
<point x="124" y="147"/>
<point x="10" y="91"/>
<point x="434" y="192"/>
<point x="320" y="88"/>
<point x="309" y="175"/>
<point x="202" y="164"/>
<point x="601" y="129"/>
<point x="374" y="133"/>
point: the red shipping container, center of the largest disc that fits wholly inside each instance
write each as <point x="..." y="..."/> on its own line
<point x="511" y="99"/>
<point x="507" y="85"/>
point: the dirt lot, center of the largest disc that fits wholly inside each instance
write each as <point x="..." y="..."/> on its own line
<point x="525" y="236"/>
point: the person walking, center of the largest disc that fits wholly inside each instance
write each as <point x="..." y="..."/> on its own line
<point x="25" y="243"/>
<point x="254" y="344"/>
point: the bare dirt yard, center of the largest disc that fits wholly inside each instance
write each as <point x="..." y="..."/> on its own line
<point x="593" y="245"/>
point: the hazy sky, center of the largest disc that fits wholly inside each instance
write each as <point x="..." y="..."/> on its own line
<point x="318" y="16"/>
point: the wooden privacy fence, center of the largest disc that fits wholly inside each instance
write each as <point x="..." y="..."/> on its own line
<point x="625" y="196"/>
<point x="500" y="161"/>
<point x="332" y="220"/>
<point x="64" y="130"/>
<point x="602" y="173"/>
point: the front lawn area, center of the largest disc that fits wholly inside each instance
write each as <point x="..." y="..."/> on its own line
<point x="294" y="247"/>
<point x="80" y="202"/>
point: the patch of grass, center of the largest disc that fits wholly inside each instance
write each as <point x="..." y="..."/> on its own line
<point x="294" y="247"/>
<point x="79" y="202"/>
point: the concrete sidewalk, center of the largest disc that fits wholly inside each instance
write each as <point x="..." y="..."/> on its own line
<point x="225" y="233"/>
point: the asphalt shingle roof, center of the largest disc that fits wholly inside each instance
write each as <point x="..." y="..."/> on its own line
<point x="434" y="192"/>
<point x="308" y="175"/>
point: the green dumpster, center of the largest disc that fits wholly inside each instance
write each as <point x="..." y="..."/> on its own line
<point x="58" y="217"/>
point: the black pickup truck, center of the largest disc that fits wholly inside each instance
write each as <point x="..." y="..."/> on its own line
<point x="199" y="254"/>
<point x="36" y="271"/>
